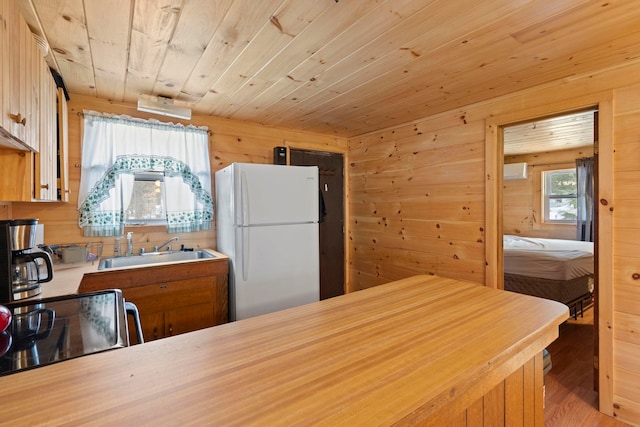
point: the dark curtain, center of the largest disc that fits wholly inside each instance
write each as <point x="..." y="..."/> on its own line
<point x="584" y="177"/>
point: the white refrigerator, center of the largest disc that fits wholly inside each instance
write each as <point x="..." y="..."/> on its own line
<point x="267" y="223"/>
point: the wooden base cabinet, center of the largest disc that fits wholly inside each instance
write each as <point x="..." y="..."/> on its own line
<point x="516" y="401"/>
<point x="172" y="308"/>
<point x="171" y="299"/>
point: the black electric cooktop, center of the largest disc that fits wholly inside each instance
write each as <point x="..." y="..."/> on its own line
<point x="55" y="329"/>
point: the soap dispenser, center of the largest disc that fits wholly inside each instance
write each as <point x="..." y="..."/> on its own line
<point x="117" y="250"/>
<point x="129" y="243"/>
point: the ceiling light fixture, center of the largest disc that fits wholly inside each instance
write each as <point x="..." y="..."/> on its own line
<point x="163" y="106"/>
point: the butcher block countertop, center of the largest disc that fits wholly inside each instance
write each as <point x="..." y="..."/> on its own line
<point x="395" y="354"/>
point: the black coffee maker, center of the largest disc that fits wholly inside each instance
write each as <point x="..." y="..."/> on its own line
<point x="22" y="268"/>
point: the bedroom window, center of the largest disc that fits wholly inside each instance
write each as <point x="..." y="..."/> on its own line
<point x="559" y="188"/>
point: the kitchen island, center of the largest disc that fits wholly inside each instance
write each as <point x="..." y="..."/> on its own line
<point x="420" y="351"/>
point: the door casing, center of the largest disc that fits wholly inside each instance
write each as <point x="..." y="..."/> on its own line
<point x="494" y="272"/>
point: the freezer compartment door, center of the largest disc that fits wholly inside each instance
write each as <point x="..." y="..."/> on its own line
<point x="276" y="267"/>
<point x="275" y="194"/>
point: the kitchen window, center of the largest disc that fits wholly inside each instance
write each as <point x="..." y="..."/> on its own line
<point x="147" y="204"/>
<point x="559" y="189"/>
<point x="137" y="171"/>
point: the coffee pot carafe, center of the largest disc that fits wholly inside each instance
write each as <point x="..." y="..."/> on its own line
<point x="28" y="271"/>
<point x="22" y="269"/>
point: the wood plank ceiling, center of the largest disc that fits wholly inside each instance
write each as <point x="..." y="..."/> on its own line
<point x="346" y="67"/>
<point x="563" y="132"/>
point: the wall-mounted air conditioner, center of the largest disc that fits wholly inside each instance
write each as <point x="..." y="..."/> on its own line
<point x="515" y="171"/>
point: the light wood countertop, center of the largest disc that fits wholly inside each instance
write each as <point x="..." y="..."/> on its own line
<point x="393" y="354"/>
<point x="66" y="279"/>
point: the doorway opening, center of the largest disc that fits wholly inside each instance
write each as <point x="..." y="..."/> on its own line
<point x="549" y="229"/>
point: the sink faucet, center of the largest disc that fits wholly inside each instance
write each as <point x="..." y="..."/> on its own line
<point x="157" y="248"/>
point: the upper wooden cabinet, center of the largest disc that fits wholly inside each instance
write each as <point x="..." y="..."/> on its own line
<point x="33" y="130"/>
<point x="28" y="176"/>
<point x="20" y="81"/>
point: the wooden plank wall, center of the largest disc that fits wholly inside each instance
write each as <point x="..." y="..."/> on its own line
<point x="417" y="203"/>
<point x="230" y="141"/>
<point x="626" y="254"/>
<point x="417" y="194"/>
<point x="521" y="198"/>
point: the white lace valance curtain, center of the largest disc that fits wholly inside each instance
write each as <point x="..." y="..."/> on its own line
<point x="115" y="147"/>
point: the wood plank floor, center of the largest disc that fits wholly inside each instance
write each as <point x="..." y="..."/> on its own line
<point x="570" y="399"/>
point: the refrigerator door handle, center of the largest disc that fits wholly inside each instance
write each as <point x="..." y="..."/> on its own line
<point x="244" y="252"/>
<point x="244" y="200"/>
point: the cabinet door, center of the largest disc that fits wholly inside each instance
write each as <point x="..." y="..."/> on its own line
<point x="187" y="304"/>
<point x="152" y="327"/>
<point x="46" y="165"/>
<point x="63" y="147"/>
<point x="15" y="175"/>
<point x="20" y="76"/>
<point x="151" y="301"/>
<point x="187" y="319"/>
<point x="19" y="80"/>
<point x="30" y="61"/>
<point x="156" y="325"/>
<point x="10" y="67"/>
<point x="191" y="307"/>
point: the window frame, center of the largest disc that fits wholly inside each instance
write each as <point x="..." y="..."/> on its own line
<point x="147" y="176"/>
<point x="547" y="197"/>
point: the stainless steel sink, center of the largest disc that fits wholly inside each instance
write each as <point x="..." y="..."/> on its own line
<point x="153" y="258"/>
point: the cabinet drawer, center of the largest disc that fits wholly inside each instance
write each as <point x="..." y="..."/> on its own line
<point x="166" y="296"/>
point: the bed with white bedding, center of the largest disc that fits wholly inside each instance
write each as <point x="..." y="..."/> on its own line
<point x="561" y="270"/>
